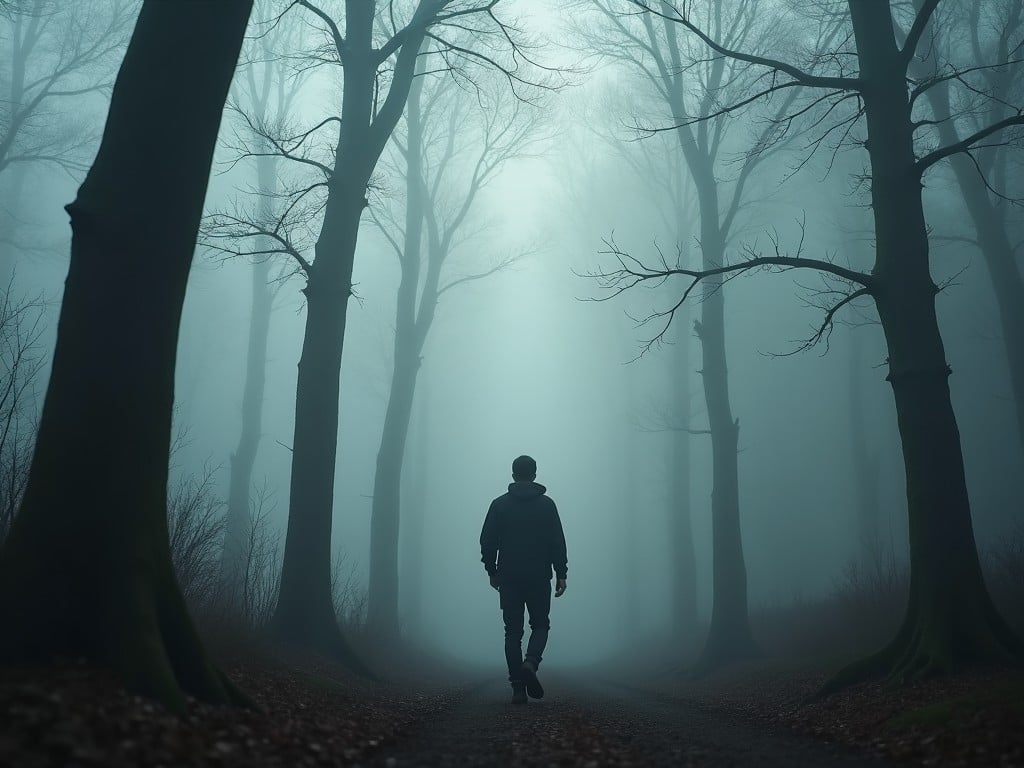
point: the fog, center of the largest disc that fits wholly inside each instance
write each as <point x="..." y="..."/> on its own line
<point x="542" y="358"/>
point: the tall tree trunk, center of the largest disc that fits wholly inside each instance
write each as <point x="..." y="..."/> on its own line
<point x="387" y="484"/>
<point x="383" y="607"/>
<point x="305" y="609"/>
<point x="414" y="516"/>
<point x="684" y="565"/>
<point x="989" y="219"/>
<point x="630" y="521"/>
<point x="238" y="522"/>
<point x="950" y="619"/>
<point x="729" y="636"/>
<point x="86" y="570"/>
<point x="305" y="614"/>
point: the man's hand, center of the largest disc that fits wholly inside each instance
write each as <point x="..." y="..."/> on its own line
<point x="559" y="587"/>
<point x="494" y="581"/>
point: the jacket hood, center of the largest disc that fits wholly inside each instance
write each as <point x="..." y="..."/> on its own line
<point x="525" y="489"/>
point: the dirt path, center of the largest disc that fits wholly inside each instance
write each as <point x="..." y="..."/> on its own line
<point x="586" y="723"/>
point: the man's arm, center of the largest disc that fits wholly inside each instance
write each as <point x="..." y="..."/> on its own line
<point x="489" y="541"/>
<point x="559" y="558"/>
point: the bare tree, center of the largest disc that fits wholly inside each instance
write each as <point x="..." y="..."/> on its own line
<point x="965" y="95"/>
<point x="262" y="564"/>
<point x="950" y="619"/>
<point x="657" y="162"/>
<point x="96" y="499"/>
<point x="456" y="141"/>
<point x="266" y="90"/>
<point x="195" y="524"/>
<point x="374" y="48"/>
<point x="58" y="54"/>
<point x="687" y="89"/>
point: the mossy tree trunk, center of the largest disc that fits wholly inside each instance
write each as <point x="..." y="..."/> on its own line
<point x="86" y="570"/>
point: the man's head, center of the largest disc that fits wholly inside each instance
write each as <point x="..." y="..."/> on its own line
<point x="524" y="468"/>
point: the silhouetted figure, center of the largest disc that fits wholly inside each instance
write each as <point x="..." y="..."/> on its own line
<point x="520" y="543"/>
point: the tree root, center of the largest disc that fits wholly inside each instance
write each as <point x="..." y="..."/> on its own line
<point x="921" y="651"/>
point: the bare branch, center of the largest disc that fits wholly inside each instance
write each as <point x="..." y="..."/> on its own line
<point x="631" y="272"/>
<point x="917" y="29"/>
<point x="804" y="78"/>
<point x="924" y="163"/>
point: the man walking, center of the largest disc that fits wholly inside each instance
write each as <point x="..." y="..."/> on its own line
<point x="521" y="542"/>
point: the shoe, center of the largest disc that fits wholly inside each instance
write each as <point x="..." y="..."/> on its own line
<point x="518" y="693"/>
<point x="533" y="686"/>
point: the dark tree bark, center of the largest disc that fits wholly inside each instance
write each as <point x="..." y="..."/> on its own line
<point x="87" y="570"/>
<point x="305" y="609"/>
<point x="950" y="619"/>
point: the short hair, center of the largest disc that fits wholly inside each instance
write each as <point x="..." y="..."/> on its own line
<point x="524" y="466"/>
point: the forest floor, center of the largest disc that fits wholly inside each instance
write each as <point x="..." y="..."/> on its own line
<point x="316" y="714"/>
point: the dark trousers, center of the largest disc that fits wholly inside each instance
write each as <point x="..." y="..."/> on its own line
<point x="534" y="596"/>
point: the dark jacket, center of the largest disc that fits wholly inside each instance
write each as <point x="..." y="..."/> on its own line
<point x="522" y="537"/>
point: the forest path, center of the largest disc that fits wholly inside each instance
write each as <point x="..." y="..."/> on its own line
<point x="582" y="722"/>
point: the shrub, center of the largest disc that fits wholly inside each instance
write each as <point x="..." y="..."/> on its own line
<point x="21" y="360"/>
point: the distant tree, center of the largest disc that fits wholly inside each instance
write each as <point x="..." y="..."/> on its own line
<point x="86" y="569"/>
<point x="669" y="183"/>
<point x="950" y="619"/>
<point x="265" y="91"/>
<point x="417" y="490"/>
<point x="58" y="53"/>
<point x="455" y="143"/>
<point x="658" y="165"/>
<point x="687" y="90"/>
<point x="373" y="48"/>
<point x="965" y="94"/>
